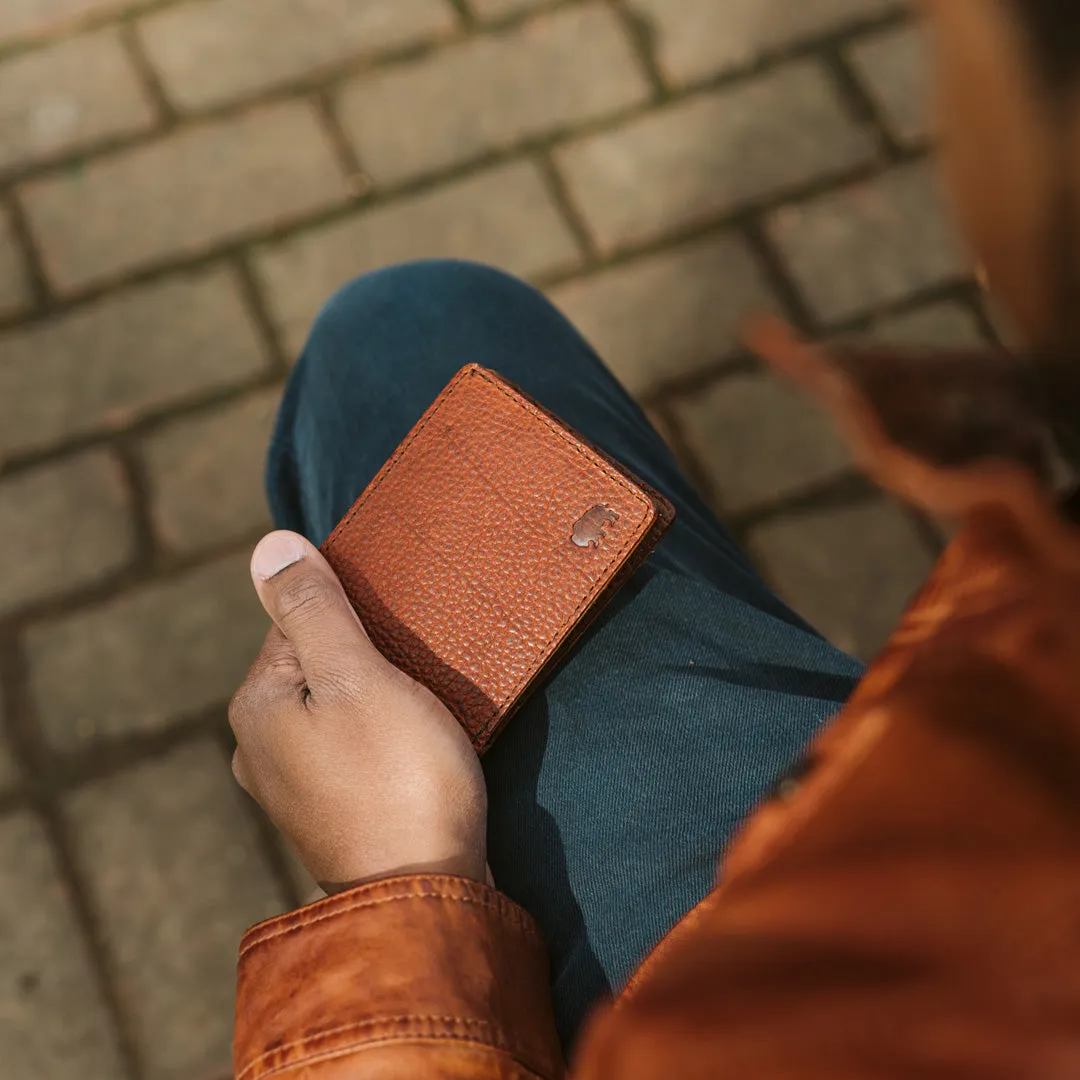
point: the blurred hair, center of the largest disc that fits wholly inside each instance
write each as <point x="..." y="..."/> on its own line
<point x="1053" y="31"/>
<point x="1053" y="27"/>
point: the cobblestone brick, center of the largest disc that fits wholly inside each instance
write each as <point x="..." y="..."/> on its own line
<point x="65" y="96"/>
<point x="183" y="194"/>
<point x="146" y="657"/>
<point x="63" y="526"/>
<point x="668" y="315"/>
<point x="869" y="244"/>
<point x="503" y="216"/>
<point x="760" y="438"/>
<point x="895" y="68"/>
<point x="699" y="38"/>
<point x="850" y="572"/>
<point x="206" y="473"/>
<point x="174" y="868"/>
<point x="103" y="366"/>
<point x="693" y="161"/>
<point x="34" y="18"/>
<point x="14" y="288"/>
<point x="209" y="51"/>
<point x="944" y="326"/>
<point x="556" y="70"/>
<point x="55" y="1025"/>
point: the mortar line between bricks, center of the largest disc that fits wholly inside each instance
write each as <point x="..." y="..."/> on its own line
<point x="28" y="745"/>
<point x="71" y="26"/>
<point x="806" y="49"/>
<point x="102" y="758"/>
<point x="141" y="516"/>
<point x="779" y="280"/>
<point x="32" y="40"/>
<point x="331" y="77"/>
<point x="122" y="11"/>
<point x="736" y="361"/>
<point x="860" y="104"/>
<point x="21" y="732"/>
<point x="178" y="263"/>
<point x="846" y="488"/>
<point x="667" y="393"/>
<point x="170" y="568"/>
<point x="413" y="186"/>
<point x="972" y="296"/>
<point x="259" y="312"/>
<point x="31" y="261"/>
<point x="100" y="761"/>
<point x="326" y="79"/>
<point x="464" y="13"/>
<point x="560" y="195"/>
<point x="155" y="417"/>
<point x="642" y="34"/>
<point x="152" y="419"/>
<point x="954" y="292"/>
<point x="925" y="528"/>
<point x="360" y="183"/>
<point x="92" y="933"/>
<point x="110" y="147"/>
<point x="688" y="459"/>
<point x="150" y="82"/>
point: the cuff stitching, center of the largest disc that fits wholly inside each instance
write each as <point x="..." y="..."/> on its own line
<point x="499" y="909"/>
<point x="488" y="1035"/>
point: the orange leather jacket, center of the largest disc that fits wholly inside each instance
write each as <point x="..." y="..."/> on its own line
<point x="911" y="911"/>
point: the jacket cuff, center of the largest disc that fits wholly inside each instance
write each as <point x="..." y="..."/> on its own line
<point x="441" y="963"/>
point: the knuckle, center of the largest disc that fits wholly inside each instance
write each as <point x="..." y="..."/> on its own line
<point x="304" y="597"/>
<point x="281" y="667"/>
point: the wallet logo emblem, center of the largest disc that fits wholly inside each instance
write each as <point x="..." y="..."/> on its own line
<point x="589" y="530"/>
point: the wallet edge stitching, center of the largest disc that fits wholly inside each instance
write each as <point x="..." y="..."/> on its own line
<point x="640" y="531"/>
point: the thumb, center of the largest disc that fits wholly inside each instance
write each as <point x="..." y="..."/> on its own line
<point x="303" y="596"/>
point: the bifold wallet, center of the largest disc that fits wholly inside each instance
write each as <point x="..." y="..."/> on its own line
<point x="486" y="545"/>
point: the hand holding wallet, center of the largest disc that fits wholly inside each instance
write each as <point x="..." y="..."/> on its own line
<point x="487" y="543"/>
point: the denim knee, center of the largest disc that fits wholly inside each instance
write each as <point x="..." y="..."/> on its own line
<point x="446" y="295"/>
<point x="380" y="351"/>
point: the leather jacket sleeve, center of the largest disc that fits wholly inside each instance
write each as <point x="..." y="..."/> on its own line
<point x="434" y="977"/>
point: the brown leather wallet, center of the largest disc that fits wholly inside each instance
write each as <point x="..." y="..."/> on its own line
<point x="486" y="545"/>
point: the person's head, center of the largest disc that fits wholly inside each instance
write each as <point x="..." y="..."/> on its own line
<point x="1008" y="102"/>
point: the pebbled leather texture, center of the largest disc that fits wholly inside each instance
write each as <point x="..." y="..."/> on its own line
<point x="487" y="543"/>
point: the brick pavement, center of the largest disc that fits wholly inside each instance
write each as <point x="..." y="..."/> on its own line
<point x="182" y="183"/>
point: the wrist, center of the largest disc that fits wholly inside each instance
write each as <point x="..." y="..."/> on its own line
<point x="469" y="868"/>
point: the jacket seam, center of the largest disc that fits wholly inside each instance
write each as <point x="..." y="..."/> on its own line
<point x="360" y="905"/>
<point x="345" y="1051"/>
<point x="496" y="1041"/>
